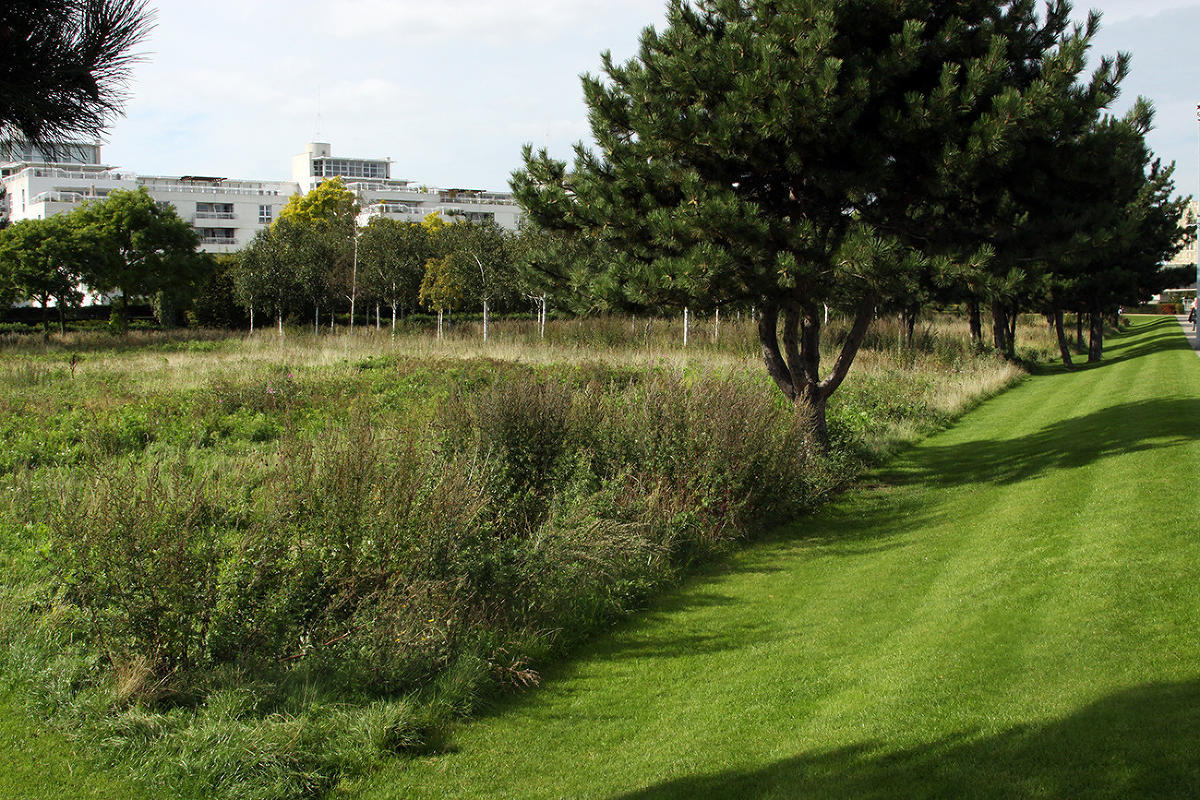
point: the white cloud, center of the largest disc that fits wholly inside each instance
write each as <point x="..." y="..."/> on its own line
<point x="1120" y="10"/>
<point x="466" y="22"/>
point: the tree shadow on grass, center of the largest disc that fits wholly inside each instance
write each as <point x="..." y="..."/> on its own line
<point x="1166" y="336"/>
<point x="1143" y="338"/>
<point x="1160" y="335"/>
<point x="877" y="516"/>
<point x="1139" y="743"/>
<point x="1067" y="444"/>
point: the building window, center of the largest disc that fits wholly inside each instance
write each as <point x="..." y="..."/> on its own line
<point x="264" y="215"/>
<point x="214" y="211"/>
<point x="217" y="235"/>
<point x="349" y="168"/>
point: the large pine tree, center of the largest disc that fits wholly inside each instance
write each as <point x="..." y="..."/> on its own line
<point x="779" y="152"/>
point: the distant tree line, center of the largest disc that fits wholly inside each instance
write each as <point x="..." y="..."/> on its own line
<point x="126" y="247"/>
<point x="315" y="262"/>
<point x="869" y="156"/>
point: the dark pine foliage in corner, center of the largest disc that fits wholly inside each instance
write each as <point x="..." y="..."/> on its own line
<point x="63" y="63"/>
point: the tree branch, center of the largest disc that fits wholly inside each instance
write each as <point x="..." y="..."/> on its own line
<point x="858" y="331"/>
<point x="768" y="337"/>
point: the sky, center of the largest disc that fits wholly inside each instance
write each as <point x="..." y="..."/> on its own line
<point x="451" y="89"/>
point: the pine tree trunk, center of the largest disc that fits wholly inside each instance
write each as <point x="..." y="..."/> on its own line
<point x="1064" y="347"/>
<point x="796" y="368"/>
<point x="908" y="320"/>
<point x="812" y="403"/>
<point x="975" y="322"/>
<point x="1079" y="329"/>
<point x="1096" y="338"/>
<point x="118" y="321"/>
<point x="1000" y="328"/>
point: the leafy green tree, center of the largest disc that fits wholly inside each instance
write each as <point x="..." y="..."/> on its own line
<point x="321" y="234"/>
<point x="770" y="154"/>
<point x="442" y="288"/>
<point x="63" y="63"/>
<point x="142" y="250"/>
<point x="43" y="260"/>
<point x="554" y="268"/>
<point x="215" y="303"/>
<point x="329" y="203"/>
<point x="479" y="253"/>
<point x="433" y="222"/>
<point x="266" y="278"/>
<point x="391" y="258"/>
<point x="318" y="259"/>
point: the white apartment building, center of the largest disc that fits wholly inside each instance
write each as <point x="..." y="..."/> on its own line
<point x="381" y="195"/>
<point x="1187" y="255"/>
<point x="227" y="212"/>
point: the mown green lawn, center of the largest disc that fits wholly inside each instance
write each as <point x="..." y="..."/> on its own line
<point x="36" y="764"/>
<point x="1010" y="609"/>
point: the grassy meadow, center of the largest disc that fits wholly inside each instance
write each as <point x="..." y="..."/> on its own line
<point x="258" y="566"/>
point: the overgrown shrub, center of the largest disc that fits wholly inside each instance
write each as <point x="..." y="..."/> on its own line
<point x="137" y="551"/>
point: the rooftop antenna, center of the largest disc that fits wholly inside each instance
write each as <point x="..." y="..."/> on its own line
<point x="317" y="135"/>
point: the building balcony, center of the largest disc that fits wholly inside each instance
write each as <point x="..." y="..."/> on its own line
<point x="476" y="199"/>
<point x="99" y="174"/>
<point x="59" y="197"/>
<point x="393" y="208"/>
<point x="166" y="186"/>
<point x="215" y="215"/>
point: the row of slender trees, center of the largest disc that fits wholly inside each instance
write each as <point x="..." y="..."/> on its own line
<point x="315" y="259"/>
